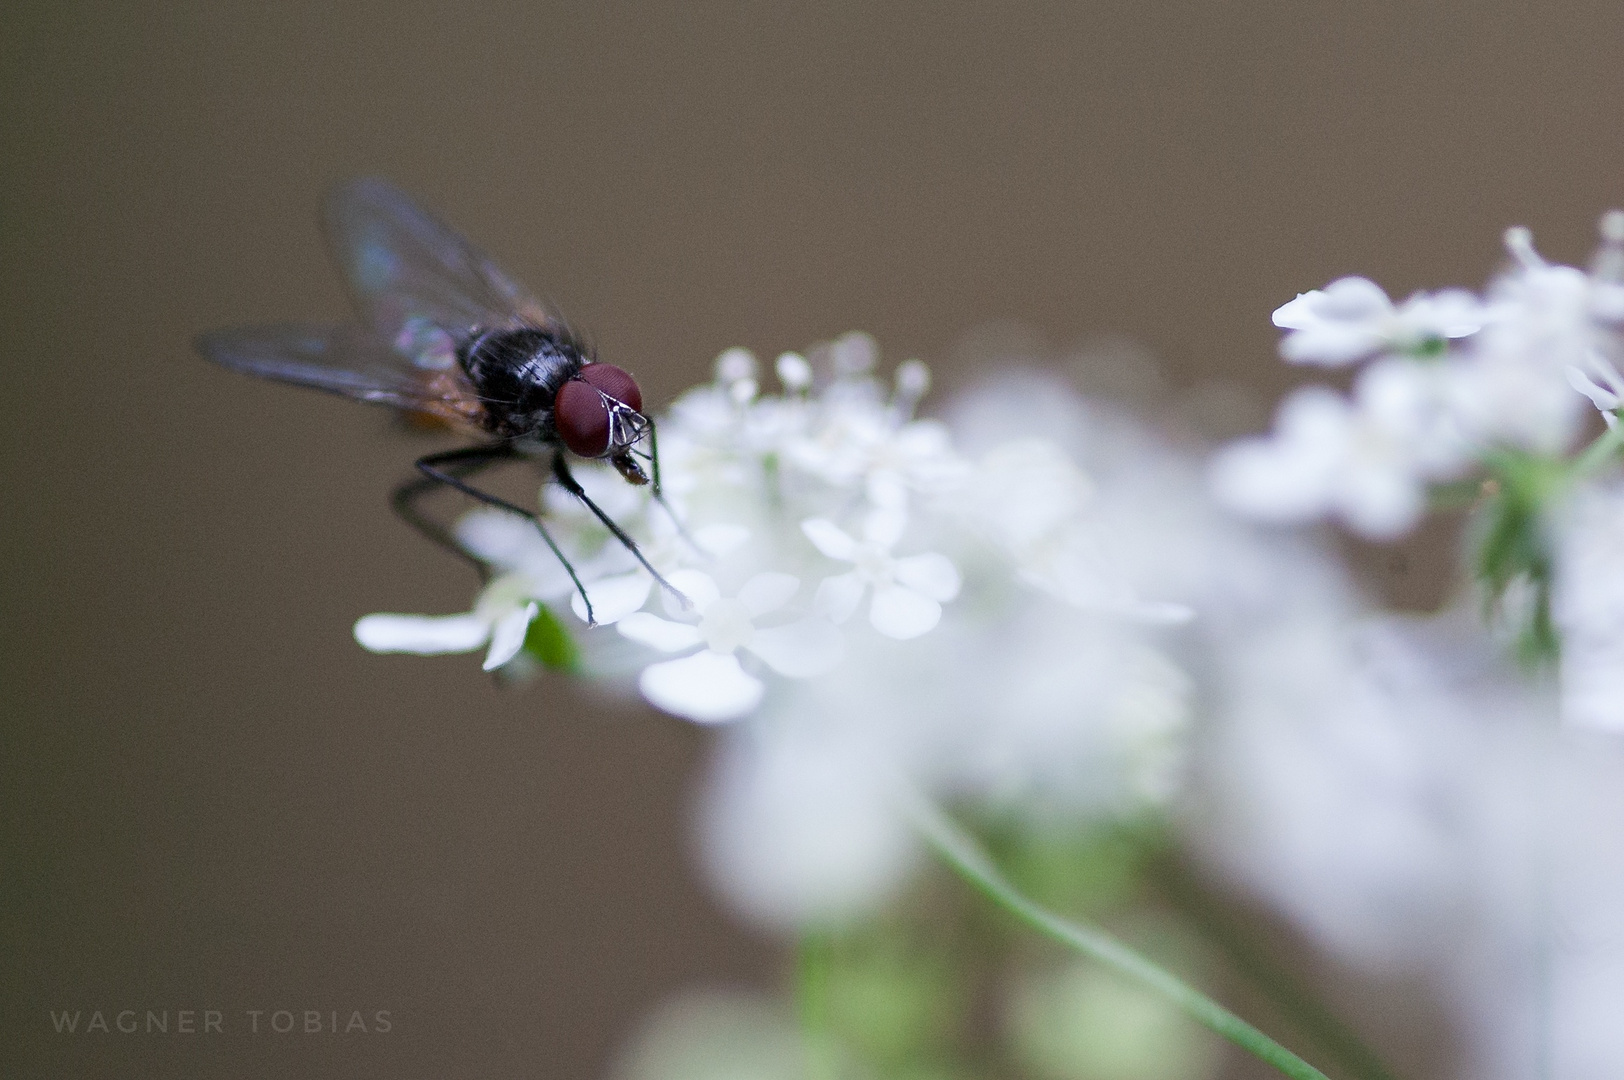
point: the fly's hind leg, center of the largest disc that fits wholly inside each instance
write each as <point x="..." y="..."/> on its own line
<point x="405" y="499"/>
<point x="450" y="468"/>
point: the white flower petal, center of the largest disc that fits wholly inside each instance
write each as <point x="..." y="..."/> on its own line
<point x="1603" y="399"/>
<point x="1160" y="612"/>
<point x="657" y="633"/>
<point x="799" y="650"/>
<point x="883" y="525"/>
<point x="931" y="574"/>
<point x="1298" y="313"/>
<point x="707" y="687"/>
<point x="698" y="587"/>
<point x="613" y="598"/>
<point x="1351" y="299"/>
<point x="830" y="539"/>
<point x="721" y="539"/>
<point x="768" y="592"/>
<point x="837" y="597"/>
<point x="901" y="613"/>
<point x="1330" y="344"/>
<point x="1453" y="313"/>
<point x="497" y="536"/>
<point x="888" y="489"/>
<point x="427" y="635"/>
<point x="507" y="636"/>
<point x="1291" y="476"/>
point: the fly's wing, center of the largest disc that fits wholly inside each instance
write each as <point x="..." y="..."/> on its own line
<point x="338" y="359"/>
<point x="420" y="286"/>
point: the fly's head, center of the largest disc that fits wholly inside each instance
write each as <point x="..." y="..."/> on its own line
<point x="598" y="414"/>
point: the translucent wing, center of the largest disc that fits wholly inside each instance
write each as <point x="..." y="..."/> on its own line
<point x="338" y="359"/>
<point x="418" y="284"/>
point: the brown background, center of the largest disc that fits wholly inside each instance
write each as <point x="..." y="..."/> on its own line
<point x="211" y="797"/>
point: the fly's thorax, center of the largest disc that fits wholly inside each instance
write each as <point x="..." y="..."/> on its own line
<point x="517" y="373"/>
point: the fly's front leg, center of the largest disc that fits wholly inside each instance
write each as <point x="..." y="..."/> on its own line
<point x="659" y="493"/>
<point x="561" y="470"/>
<point x="442" y="469"/>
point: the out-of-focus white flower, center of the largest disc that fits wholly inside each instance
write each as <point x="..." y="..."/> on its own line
<point x="1515" y="386"/>
<point x="798" y="823"/>
<point x="1023" y="699"/>
<point x="710" y="685"/>
<point x="1352" y="319"/>
<point x="1588" y="608"/>
<point x="1396" y="788"/>
<point x="1029" y="498"/>
<point x="500" y="619"/>
<point x="908" y="592"/>
<point x="1366" y="461"/>
<point x="861" y="443"/>
<point x="1329" y="808"/>
<point x="1456" y="381"/>
<point x="715" y="1035"/>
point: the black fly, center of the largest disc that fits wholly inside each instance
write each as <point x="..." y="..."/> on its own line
<point x="448" y="335"/>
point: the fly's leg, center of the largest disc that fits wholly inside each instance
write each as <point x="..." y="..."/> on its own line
<point x="654" y="458"/>
<point x="561" y="470"/>
<point x="659" y="495"/>
<point x="405" y="498"/>
<point x="442" y="468"/>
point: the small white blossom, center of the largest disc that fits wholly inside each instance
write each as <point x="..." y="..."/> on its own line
<point x="1366" y="461"/>
<point x="908" y="592"/>
<point x="710" y="685"/>
<point x="794" y="372"/>
<point x="862" y="442"/>
<point x="500" y="619"/>
<point x="1515" y="386"/>
<point x="1352" y="319"/>
<point x="616" y="595"/>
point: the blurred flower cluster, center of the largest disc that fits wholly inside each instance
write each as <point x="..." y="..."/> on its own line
<point x="993" y="607"/>
<point x="1465" y="399"/>
<point x="1445" y="382"/>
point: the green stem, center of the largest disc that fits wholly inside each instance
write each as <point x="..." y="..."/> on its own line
<point x="960" y="851"/>
<point x="1297" y="1005"/>
<point x="812" y="1001"/>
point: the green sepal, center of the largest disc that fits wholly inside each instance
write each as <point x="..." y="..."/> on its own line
<point x="550" y="644"/>
<point x="1509" y="543"/>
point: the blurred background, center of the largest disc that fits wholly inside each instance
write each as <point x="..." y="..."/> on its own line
<point x="212" y="798"/>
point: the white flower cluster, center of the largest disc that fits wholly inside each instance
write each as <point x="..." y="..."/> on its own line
<point x="1445" y="379"/>
<point x="877" y="605"/>
<point x="799" y="510"/>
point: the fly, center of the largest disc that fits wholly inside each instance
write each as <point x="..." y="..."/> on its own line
<point x="446" y="334"/>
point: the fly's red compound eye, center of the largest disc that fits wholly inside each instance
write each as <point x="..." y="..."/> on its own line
<point x="582" y="418"/>
<point x="614" y="382"/>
